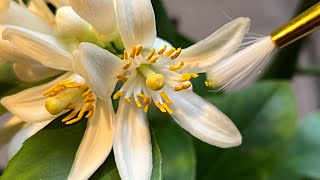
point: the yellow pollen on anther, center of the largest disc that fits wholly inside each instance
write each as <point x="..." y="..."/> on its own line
<point x="162" y="50"/>
<point x="146" y="108"/>
<point x="150" y="54"/>
<point x="165" y="106"/>
<point x="154" y="59"/>
<point x="126" y="67"/>
<point x="186" y="77"/>
<point x="186" y="86"/>
<point x="179" y="87"/>
<point x="127" y="100"/>
<point x="133" y="52"/>
<point x="209" y="84"/>
<point x="117" y="95"/>
<point x="176" y="54"/>
<point x="138" y="51"/>
<point x="125" y="55"/>
<point x="168" y="53"/>
<point x="177" y="67"/>
<point x="70" y="116"/>
<point x="143" y="97"/>
<point x="162" y="109"/>
<point x="165" y="96"/>
<point x="138" y="104"/>
<point x="122" y="78"/>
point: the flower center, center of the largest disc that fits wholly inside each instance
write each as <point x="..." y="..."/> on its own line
<point x="147" y="72"/>
<point x="70" y="95"/>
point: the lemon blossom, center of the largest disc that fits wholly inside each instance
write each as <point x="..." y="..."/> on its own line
<point x="154" y="72"/>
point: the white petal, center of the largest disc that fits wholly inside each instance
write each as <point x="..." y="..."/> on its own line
<point x="29" y="105"/>
<point x="136" y="22"/>
<point x="21" y="16"/>
<point x="10" y="128"/>
<point x="41" y="8"/>
<point x="34" y="73"/>
<point x="4" y="5"/>
<point x="46" y="49"/>
<point x="132" y="143"/>
<point x="59" y="3"/>
<point x="98" y="67"/>
<point x="99" y="13"/>
<point x="25" y="133"/>
<point x="241" y="65"/>
<point x="70" y="24"/>
<point x="217" y="46"/>
<point x="159" y="43"/>
<point x="202" y="119"/>
<point x="96" y="143"/>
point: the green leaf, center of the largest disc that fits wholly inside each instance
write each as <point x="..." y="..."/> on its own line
<point x="177" y="151"/>
<point x="107" y="171"/>
<point x="304" y="152"/>
<point x="265" y="115"/>
<point x="157" y="160"/>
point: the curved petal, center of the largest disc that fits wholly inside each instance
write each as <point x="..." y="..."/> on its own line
<point x="159" y="43"/>
<point x="4" y="5"/>
<point x="25" y="133"/>
<point x="217" y="46"/>
<point x="136" y="22"/>
<point x="41" y="8"/>
<point x="96" y="143"/>
<point x="59" y="3"/>
<point x="34" y="73"/>
<point x="99" y="13"/>
<point x="98" y="67"/>
<point x="21" y="16"/>
<point x="29" y="105"/>
<point x="46" y="49"/>
<point x="10" y="128"/>
<point x="132" y="143"/>
<point x="202" y="119"/>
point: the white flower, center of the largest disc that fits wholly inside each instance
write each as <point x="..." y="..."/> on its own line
<point x="153" y="71"/>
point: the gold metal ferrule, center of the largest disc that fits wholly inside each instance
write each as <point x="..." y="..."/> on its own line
<point x="298" y="27"/>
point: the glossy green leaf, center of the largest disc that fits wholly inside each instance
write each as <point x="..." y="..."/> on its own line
<point x="177" y="151"/>
<point x="265" y="115"/>
<point x="304" y="152"/>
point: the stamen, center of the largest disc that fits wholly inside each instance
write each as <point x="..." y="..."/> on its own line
<point x="177" y="67"/>
<point x="138" y="104"/>
<point x="159" y="106"/>
<point x="147" y="103"/>
<point x="70" y="116"/>
<point x="80" y="115"/>
<point x="138" y="51"/>
<point x="126" y="67"/>
<point x="187" y="85"/>
<point x="151" y="54"/>
<point x="133" y="52"/>
<point x="179" y="87"/>
<point x="125" y="54"/>
<point x="209" y="84"/>
<point x="187" y="77"/>
<point x="165" y="96"/>
<point x="161" y="51"/>
<point x="167" y="108"/>
<point x="127" y="100"/>
<point x="143" y="97"/>
<point x="154" y="59"/>
<point x="168" y="53"/>
<point x="122" y="78"/>
<point x="176" y="54"/>
<point x="117" y="95"/>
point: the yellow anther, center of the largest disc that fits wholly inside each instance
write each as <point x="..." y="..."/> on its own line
<point x="143" y="97"/>
<point x="154" y="59"/>
<point x="168" y="53"/>
<point x="80" y="115"/>
<point x="155" y="82"/>
<point x="122" y="78"/>
<point x="186" y="77"/>
<point x="87" y="93"/>
<point x="162" y="50"/>
<point x="138" y="104"/>
<point x="126" y="67"/>
<point x="176" y="54"/>
<point x="125" y="55"/>
<point x="165" y="106"/>
<point x="162" y="109"/>
<point x="165" y="96"/>
<point x="127" y="100"/>
<point x="70" y="116"/>
<point x="90" y="114"/>
<point x="179" y="87"/>
<point x="177" y="67"/>
<point x="209" y="84"/>
<point x="138" y="51"/>
<point x="133" y="52"/>
<point x="89" y="99"/>
<point x="150" y="54"/>
<point x="117" y="95"/>
<point x="147" y="103"/>
<point x="146" y="108"/>
<point x="186" y="86"/>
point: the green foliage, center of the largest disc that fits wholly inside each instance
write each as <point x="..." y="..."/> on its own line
<point x="265" y="115"/>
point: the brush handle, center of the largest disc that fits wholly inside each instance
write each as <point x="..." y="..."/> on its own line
<point x="298" y="27"/>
